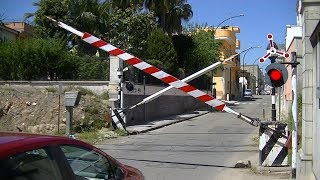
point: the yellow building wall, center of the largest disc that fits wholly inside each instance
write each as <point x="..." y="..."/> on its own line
<point x="229" y="44"/>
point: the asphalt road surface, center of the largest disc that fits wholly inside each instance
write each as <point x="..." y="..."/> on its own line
<point x="206" y="147"/>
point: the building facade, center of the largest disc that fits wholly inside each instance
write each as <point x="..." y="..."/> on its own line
<point x="254" y="78"/>
<point x="308" y="161"/>
<point x="293" y="44"/>
<point x="24" y="29"/>
<point x="7" y="34"/>
<point x="226" y="77"/>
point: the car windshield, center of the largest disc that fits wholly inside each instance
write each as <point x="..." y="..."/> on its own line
<point x="248" y="90"/>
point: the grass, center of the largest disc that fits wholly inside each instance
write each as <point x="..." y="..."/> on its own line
<point x="83" y="91"/>
<point x="289" y="119"/>
<point x="52" y="89"/>
<point x="7" y="89"/>
<point x="88" y="136"/>
<point x="121" y="132"/>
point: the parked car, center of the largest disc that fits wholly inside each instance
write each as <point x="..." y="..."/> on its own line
<point x="31" y="156"/>
<point x="248" y="93"/>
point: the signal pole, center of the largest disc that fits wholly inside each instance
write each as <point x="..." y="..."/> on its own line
<point x="273" y="105"/>
<point x="294" y="64"/>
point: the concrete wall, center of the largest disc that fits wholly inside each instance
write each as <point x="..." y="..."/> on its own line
<point x="160" y="107"/>
<point x="97" y="87"/>
<point x="171" y="102"/>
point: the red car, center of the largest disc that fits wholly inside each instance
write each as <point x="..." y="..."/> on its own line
<point x="32" y="156"/>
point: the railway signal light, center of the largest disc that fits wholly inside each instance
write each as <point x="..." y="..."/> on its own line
<point x="276" y="75"/>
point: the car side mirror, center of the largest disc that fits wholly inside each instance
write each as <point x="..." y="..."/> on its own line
<point x="119" y="173"/>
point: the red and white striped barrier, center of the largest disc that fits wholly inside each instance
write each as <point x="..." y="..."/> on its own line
<point x="147" y="68"/>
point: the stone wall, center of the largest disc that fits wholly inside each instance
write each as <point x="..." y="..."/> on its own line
<point x="172" y="102"/>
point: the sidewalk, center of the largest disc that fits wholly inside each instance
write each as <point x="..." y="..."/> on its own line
<point x="136" y="129"/>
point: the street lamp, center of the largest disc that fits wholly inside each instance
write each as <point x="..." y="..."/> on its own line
<point x="243" y="87"/>
<point x="214" y="32"/>
<point x="227" y="20"/>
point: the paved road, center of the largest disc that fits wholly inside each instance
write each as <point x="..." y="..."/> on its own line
<point x="206" y="147"/>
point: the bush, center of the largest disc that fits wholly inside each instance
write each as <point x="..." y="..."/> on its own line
<point x="105" y="95"/>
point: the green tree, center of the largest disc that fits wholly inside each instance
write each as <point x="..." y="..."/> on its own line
<point x="160" y="8"/>
<point x="204" y="52"/>
<point x="170" y="13"/>
<point x="179" y="11"/>
<point x="56" y="9"/>
<point x="183" y="45"/>
<point x="90" y="68"/>
<point x="34" y="59"/>
<point x="124" y="4"/>
<point x="195" y="51"/>
<point x="85" y="15"/>
<point x="128" y="30"/>
<point x="160" y="47"/>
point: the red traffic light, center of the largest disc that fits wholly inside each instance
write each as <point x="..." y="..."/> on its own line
<point x="274" y="74"/>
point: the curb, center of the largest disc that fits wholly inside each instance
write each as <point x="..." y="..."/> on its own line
<point x="274" y="169"/>
<point x="164" y="125"/>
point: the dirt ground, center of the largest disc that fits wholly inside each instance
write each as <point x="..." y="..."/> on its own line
<point x="37" y="110"/>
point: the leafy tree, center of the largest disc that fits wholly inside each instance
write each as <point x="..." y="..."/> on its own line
<point x="183" y="45"/>
<point x="85" y="15"/>
<point x="56" y="9"/>
<point x="38" y="59"/>
<point x="31" y="59"/>
<point x="90" y="68"/>
<point x="128" y="30"/>
<point x="204" y="51"/>
<point x="160" y="47"/>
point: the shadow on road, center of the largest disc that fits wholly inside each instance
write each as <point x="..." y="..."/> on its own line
<point x="178" y="163"/>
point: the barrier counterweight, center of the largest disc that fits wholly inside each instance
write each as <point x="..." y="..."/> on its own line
<point x="272" y="150"/>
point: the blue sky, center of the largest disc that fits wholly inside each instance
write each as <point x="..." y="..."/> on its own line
<point x="260" y="18"/>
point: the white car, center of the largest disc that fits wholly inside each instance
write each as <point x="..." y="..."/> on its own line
<point x="248" y="93"/>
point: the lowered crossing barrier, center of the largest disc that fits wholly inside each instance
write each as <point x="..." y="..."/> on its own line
<point x="171" y="80"/>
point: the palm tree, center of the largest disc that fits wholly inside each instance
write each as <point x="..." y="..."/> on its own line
<point x="124" y="4"/>
<point x="179" y="11"/>
<point x="170" y="13"/>
<point x="160" y="8"/>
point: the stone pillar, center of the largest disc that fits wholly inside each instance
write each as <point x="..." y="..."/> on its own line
<point x="115" y="64"/>
<point x="309" y="10"/>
